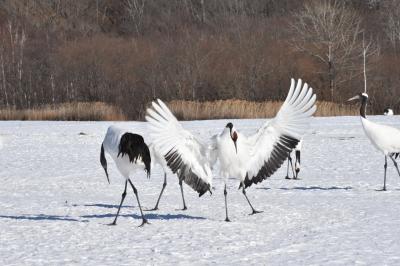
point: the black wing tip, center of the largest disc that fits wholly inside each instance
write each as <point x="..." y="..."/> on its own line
<point x="185" y="173"/>
<point x="279" y="154"/>
<point x="203" y="191"/>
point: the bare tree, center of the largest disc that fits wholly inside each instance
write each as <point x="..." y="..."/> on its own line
<point x="135" y="9"/>
<point x="329" y="32"/>
<point x="3" y="76"/>
<point x="392" y="22"/>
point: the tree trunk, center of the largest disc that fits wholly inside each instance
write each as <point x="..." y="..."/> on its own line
<point x="4" y="79"/>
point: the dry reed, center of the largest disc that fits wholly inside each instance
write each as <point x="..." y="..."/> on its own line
<point x="77" y="111"/>
<point x="192" y="110"/>
<point x="184" y="110"/>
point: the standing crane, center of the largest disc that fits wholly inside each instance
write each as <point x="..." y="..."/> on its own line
<point x="384" y="138"/>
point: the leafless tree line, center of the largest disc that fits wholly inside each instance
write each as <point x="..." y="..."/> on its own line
<point x="131" y="51"/>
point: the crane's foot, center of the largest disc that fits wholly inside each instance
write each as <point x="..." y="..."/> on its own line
<point x="113" y="223"/>
<point x="227" y="219"/>
<point x="154" y="209"/>
<point x="144" y="222"/>
<point x="287" y="177"/>
<point x="255" y="212"/>
<point x="183" y="209"/>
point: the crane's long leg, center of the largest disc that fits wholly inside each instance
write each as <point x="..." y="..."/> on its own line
<point x="162" y="190"/>
<point x="183" y="198"/>
<point x="226" y="205"/>
<point x="122" y="201"/>
<point x="144" y="220"/>
<point x="297" y="162"/>
<point x="395" y="163"/>
<point x="244" y="193"/>
<point x="384" y="176"/>
<point x="291" y="165"/>
<point x="288" y="162"/>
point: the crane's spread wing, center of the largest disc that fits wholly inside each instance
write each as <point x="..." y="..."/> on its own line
<point x="184" y="154"/>
<point x="270" y="145"/>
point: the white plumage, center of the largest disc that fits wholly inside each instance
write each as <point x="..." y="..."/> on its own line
<point x="388" y="111"/>
<point x="185" y="155"/>
<point x="250" y="159"/>
<point x="111" y="144"/>
<point x="130" y="154"/>
<point x="384" y="138"/>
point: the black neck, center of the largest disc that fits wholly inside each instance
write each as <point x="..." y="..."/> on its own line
<point x="363" y="108"/>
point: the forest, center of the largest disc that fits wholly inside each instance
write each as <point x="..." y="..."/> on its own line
<point x="128" y="52"/>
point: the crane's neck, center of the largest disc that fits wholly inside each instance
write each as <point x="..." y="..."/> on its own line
<point x="363" y="108"/>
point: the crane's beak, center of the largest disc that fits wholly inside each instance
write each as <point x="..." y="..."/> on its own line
<point x="357" y="97"/>
<point x="103" y="162"/>
<point x="108" y="179"/>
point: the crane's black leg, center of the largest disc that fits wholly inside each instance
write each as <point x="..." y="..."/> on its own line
<point x="297" y="162"/>
<point x="395" y="163"/>
<point x="226" y="205"/>
<point x="183" y="198"/>
<point x="162" y="190"/>
<point x="291" y="166"/>
<point x="144" y="220"/>
<point x="244" y="193"/>
<point x="288" y="162"/>
<point x="122" y="200"/>
<point x="384" y="175"/>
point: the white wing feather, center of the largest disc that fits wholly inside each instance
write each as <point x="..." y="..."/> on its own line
<point x="184" y="154"/>
<point x="269" y="146"/>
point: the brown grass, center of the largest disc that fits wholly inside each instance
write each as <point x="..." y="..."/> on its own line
<point x="184" y="110"/>
<point x="78" y="111"/>
<point x="191" y="110"/>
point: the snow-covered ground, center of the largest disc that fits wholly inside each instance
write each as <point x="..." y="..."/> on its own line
<point x="55" y="203"/>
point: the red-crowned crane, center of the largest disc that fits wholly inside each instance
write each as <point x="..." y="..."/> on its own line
<point x="384" y="138"/>
<point x="250" y="159"/>
<point x="130" y="154"/>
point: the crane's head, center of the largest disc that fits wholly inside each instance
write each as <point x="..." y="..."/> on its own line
<point x="233" y="134"/>
<point x="362" y="96"/>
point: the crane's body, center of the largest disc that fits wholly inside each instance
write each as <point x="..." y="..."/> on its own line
<point x="388" y="111"/>
<point x="130" y="154"/>
<point x="384" y="138"/>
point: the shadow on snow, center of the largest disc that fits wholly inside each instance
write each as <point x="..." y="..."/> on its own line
<point x="41" y="217"/>
<point x="107" y="206"/>
<point x="149" y="216"/>
<point x="317" y="188"/>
